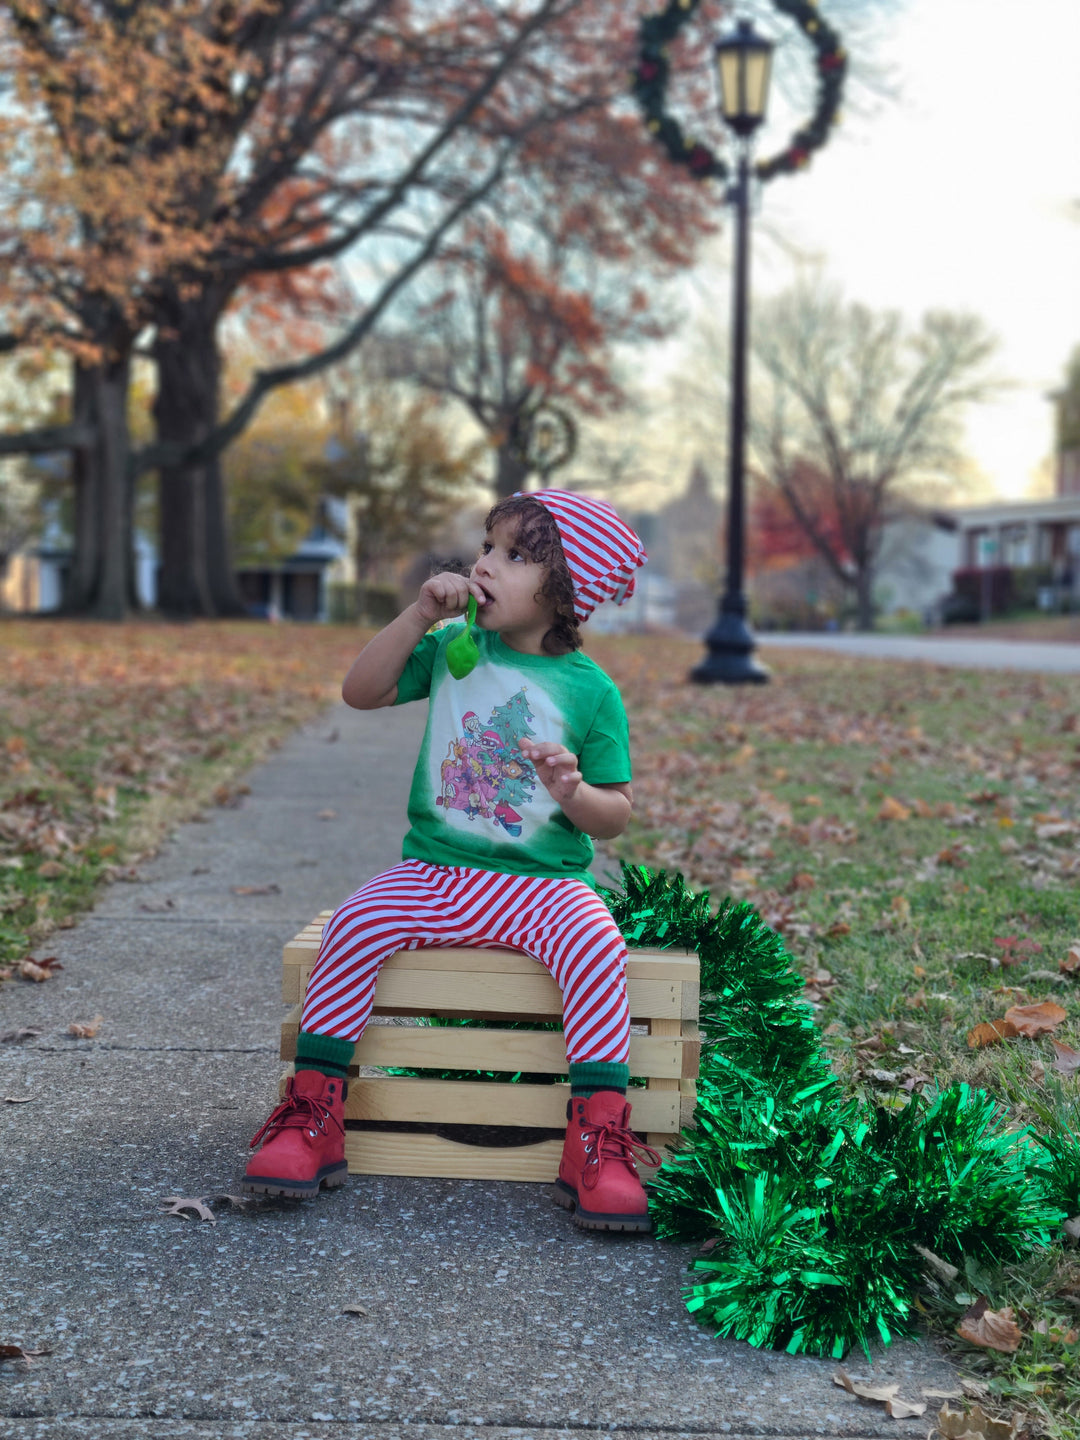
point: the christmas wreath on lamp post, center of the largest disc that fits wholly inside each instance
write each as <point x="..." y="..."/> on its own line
<point x="650" y="81"/>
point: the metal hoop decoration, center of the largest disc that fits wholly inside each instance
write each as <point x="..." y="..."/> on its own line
<point x="649" y="84"/>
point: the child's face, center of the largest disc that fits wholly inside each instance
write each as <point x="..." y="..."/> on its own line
<point x="511" y="581"/>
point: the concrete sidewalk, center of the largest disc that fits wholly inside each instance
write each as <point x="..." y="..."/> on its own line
<point x="969" y="652"/>
<point x="486" y="1313"/>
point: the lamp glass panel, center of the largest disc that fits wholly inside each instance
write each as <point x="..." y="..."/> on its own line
<point x="756" y="81"/>
<point x="730" y="97"/>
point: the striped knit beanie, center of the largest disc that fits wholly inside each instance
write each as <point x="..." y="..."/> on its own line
<point x="601" y="551"/>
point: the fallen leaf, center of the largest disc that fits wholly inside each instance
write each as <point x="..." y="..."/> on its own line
<point x="178" y="1205"/>
<point x="959" y="1425"/>
<point x="837" y="929"/>
<point x="802" y="881"/>
<point x="86" y="1029"/>
<point x="880" y="1393"/>
<point x="158" y="907"/>
<point x="327" y="815"/>
<point x="1033" y="1020"/>
<point x="26" y="1032"/>
<point x="50" y="870"/>
<point x="39" y="970"/>
<point x="271" y="889"/>
<point x="16" y="1352"/>
<point x="990" y="1329"/>
<point x="1071" y="964"/>
<point x="942" y="1268"/>
<point x="990" y="1032"/>
<point x="902" y="907"/>
<point x="892" y="809"/>
<point x="1066" y="1059"/>
<point x="353" y="1310"/>
<point x="17" y="1099"/>
<point x="904" y="1409"/>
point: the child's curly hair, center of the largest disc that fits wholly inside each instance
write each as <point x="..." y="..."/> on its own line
<point x="537" y="535"/>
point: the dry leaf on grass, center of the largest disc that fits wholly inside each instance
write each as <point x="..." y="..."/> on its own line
<point x="883" y="1394"/>
<point x="990" y="1032"/>
<point x="1071" y="964"/>
<point x="178" y="1206"/>
<point x="50" y="870"/>
<point x="990" y="1329"/>
<point x="26" y="1032"/>
<point x="959" y="1425"/>
<point x="1033" y="1020"/>
<point x="86" y="1029"/>
<point x="39" y="970"/>
<point x="271" y="889"/>
<point x="892" y="809"/>
<point x="1066" y="1059"/>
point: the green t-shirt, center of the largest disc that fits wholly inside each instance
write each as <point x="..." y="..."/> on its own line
<point x="475" y="800"/>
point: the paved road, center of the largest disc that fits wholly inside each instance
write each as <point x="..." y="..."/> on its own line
<point x="1062" y="659"/>
<point x="488" y="1315"/>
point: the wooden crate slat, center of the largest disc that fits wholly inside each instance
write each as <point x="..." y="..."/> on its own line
<point x="494" y="992"/>
<point x="486" y="1102"/>
<point x="375" y="1152"/>
<point x="437" y="1048"/>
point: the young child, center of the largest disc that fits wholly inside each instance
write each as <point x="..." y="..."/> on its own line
<point x="522" y="762"/>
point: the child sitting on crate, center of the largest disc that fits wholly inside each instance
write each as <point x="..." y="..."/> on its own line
<point x="523" y="760"/>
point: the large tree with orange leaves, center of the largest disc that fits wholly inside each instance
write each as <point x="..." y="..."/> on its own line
<point x="163" y="154"/>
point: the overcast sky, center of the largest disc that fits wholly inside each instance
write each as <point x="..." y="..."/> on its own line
<point x="963" y="192"/>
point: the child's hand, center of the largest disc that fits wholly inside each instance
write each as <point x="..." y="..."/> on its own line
<point x="556" y="767"/>
<point x="445" y="596"/>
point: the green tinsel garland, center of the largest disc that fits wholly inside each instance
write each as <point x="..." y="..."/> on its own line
<point x="811" y="1201"/>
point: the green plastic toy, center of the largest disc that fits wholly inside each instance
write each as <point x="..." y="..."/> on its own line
<point x="462" y="652"/>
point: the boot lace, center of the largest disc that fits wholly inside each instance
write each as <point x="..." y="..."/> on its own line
<point x="304" y="1112"/>
<point x="608" y="1141"/>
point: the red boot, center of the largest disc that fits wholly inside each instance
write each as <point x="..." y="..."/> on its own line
<point x="598" y="1177"/>
<point x="303" y="1140"/>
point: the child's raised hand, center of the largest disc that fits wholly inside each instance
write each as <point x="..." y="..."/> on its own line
<point x="556" y="768"/>
<point x="445" y="596"/>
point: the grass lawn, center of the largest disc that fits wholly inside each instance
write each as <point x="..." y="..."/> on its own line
<point x="111" y="735"/>
<point x="914" y="833"/>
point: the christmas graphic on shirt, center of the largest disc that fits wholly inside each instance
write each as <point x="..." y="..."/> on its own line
<point x="483" y="777"/>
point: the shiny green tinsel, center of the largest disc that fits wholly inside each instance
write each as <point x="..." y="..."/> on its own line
<point x="810" y="1202"/>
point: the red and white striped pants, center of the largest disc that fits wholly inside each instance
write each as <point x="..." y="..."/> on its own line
<point x="561" y="923"/>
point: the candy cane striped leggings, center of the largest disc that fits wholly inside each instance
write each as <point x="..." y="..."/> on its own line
<point x="561" y="923"/>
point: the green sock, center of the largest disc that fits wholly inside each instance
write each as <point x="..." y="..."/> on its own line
<point x="325" y="1053"/>
<point x="588" y="1076"/>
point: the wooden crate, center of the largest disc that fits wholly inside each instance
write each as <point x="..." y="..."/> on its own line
<point x="495" y="985"/>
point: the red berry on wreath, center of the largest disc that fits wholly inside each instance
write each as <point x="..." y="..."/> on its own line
<point x="649" y="70"/>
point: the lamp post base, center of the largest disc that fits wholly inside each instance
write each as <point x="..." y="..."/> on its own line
<point x="730" y="660"/>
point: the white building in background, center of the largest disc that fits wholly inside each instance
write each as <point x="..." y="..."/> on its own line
<point x="1021" y="533"/>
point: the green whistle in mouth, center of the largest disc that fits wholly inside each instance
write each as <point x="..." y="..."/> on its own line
<point x="462" y="652"/>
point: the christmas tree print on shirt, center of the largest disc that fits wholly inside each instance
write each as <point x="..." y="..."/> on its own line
<point x="484" y="775"/>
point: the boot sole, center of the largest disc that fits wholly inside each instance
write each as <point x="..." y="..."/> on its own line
<point x="297" y="1189"/>
<point x="563" y="1195"/>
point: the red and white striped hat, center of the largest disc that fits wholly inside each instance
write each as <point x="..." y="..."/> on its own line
<point x="602" y="552"/>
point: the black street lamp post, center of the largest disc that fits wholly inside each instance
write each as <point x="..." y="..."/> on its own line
<point x="743" y="63"/>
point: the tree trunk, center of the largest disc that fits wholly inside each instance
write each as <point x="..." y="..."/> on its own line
<point x="80" y="581"/>
<point x="864" y="599"/>
<point x="100" y="581"/>
<point x="196" y="575"/>
<point x="511" y="471"/>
